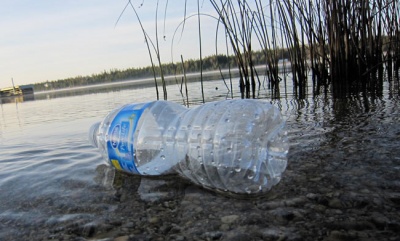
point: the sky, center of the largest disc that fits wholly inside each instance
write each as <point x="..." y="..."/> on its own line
<point x="48" y="40"/>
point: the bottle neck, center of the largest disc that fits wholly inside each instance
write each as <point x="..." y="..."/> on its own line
<point x="93" y="132"/>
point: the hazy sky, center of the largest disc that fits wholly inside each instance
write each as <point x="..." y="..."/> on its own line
<point x="49" y="40"/>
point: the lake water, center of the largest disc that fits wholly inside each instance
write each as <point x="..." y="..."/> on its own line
<point x="342" y="180"/>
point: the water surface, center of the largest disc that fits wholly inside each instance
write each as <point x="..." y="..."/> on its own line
<point x="341" y="181"/>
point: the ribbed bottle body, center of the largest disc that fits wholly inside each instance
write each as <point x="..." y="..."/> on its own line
<point x="235" y="145"/>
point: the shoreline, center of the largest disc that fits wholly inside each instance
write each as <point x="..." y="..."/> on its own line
<point x="145" y="82"/>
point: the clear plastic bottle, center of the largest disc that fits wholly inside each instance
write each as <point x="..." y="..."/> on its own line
<point x="238" y="146"/>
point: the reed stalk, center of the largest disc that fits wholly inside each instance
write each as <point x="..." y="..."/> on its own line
<point x="184" y="80"/>
<point x="349" y="47"/>
<point x="201" y="52"/>
<point x="157" y="51"/>
<point x="147" y="41"/>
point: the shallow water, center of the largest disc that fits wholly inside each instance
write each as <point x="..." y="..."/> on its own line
<point x="342" y="180"/>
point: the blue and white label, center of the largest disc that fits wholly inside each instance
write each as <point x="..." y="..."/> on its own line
<point x="121" y="151"/>
<point x="114" y="138"/>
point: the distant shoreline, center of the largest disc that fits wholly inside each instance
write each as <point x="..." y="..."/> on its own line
<point x="146" y="82"/>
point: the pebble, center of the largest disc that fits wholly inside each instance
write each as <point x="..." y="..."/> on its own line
<point x="214" y="235"/>
<point x="229" y="219"/>
<point x="312" y="196"/>
<point x="271" y="234"/>
<point x="154" y="220"/>
<point x="122" y="238"/>
<point x="335" y="203"/>
<point x="224" y="227"/>
<point x="129" y="225"/>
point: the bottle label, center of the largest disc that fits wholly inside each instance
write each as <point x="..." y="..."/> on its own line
<point x="121" y="151"/>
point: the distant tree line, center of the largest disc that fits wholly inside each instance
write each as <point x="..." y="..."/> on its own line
<point x="213" y="62"/>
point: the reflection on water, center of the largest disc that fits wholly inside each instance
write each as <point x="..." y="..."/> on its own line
<point x="344" y="164"/>
<point x="16" y="99"/>
<point x="149" y="189"/>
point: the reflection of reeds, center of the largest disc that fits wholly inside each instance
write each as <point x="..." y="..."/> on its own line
<point x="348" y="46"/>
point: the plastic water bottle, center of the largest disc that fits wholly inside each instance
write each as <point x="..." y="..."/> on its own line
<point x="237" y="146"/>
